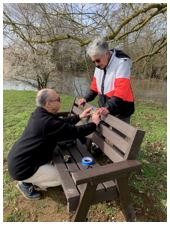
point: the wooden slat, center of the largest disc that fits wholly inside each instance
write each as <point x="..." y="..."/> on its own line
<point x="108" y="172"/>
<point x="85" y="152"/>
<point x="114" y="138"/>
<point x="114" y="122"/>
<point x="135" y="144"/>
<point x="78" y="157"/>
<point x="120" y="125"/>
<point x="110" y="152"/>
<point x="124" y="144"/>
<point x="72" y="166"/>
<point x="76" y="110"/>
<point x="71" y="192"/>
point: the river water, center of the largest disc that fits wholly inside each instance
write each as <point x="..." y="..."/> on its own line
<point x="147" y="90"/>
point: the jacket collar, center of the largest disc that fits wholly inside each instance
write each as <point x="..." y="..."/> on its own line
<point x="111" y="58"/>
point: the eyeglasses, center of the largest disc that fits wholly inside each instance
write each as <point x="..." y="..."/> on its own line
<point x="100" y="58"/>
<point x="56" y="100"/>
<point x="96" y="61"/>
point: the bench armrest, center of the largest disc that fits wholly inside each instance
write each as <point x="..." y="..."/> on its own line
<point x="105" y="173"/>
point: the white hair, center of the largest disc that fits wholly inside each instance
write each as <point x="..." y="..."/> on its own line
<point x="42" y="97"/>
<point x="97" y="47"/>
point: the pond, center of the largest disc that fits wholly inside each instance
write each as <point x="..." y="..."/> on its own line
<point x="147" y="90"/>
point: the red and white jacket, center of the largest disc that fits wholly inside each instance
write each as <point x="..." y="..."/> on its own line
<point x="113" y="86"/>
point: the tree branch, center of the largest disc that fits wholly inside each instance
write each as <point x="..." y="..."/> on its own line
<point x="134" y="15"/>
<point x="160" y="8"/>
<point x="141" y="24"/>
<point x="151" y="54"/>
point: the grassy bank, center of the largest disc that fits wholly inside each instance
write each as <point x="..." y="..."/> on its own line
<point x="148" y="187"/>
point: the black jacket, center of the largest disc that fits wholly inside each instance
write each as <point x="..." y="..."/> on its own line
<point x="35" y="146"/>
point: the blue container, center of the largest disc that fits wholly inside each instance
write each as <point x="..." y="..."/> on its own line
<point x="87" y="161"/>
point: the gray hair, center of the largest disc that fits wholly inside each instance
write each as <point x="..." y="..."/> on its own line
<point x="97" y="47"/>
<point x="42" y="97"/>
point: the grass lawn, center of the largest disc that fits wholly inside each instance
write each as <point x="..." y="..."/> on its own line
<point x="148" y="188"/>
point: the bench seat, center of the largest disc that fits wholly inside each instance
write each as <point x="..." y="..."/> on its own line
<point x="105" y="191"/>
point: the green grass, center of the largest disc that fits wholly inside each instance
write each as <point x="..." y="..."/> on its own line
<point x="148" y="187"/>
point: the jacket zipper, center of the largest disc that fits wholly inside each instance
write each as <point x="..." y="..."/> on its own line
<point x="103" y="79"/>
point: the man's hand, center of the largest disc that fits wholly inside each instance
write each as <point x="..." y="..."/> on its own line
<point x="82" y="101"/>
<point x="96" y="117"/>
<point x="85" y="113"/>
<point x="103" y="111"/>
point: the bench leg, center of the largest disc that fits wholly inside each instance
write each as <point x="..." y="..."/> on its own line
<point x="125" y="199"/>
<point x="84" y="203"/>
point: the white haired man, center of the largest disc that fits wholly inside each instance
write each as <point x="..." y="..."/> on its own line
<point x="28" y="160"/>
<point x="111" y="81"/>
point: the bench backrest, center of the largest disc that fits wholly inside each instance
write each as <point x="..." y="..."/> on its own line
<point x="117" y="139"/>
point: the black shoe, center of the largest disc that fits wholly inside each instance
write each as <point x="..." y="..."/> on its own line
<point x="28" y="191"/>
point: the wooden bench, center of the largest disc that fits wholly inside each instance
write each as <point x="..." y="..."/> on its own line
<point x="83" y="186"/>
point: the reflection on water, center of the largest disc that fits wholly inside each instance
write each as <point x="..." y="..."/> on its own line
<point x="147" y="90"/>
<point x="150" y="90"/>
<point x="16" y="85"/>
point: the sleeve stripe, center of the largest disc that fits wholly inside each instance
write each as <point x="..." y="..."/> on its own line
<point x="93" y="85"/>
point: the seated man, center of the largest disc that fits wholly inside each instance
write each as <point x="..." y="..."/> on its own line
<point x="29" y="158"/>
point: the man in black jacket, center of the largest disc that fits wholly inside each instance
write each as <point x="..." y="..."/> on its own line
<point x="28" y="160"/>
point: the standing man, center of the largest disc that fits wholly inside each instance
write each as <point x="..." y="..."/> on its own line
<point x="111" y="81"/>
<point x="29" y="158"/>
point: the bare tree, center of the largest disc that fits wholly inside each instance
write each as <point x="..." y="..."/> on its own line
<point x="60" y="32"/>
<point x="55" y="22"/>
